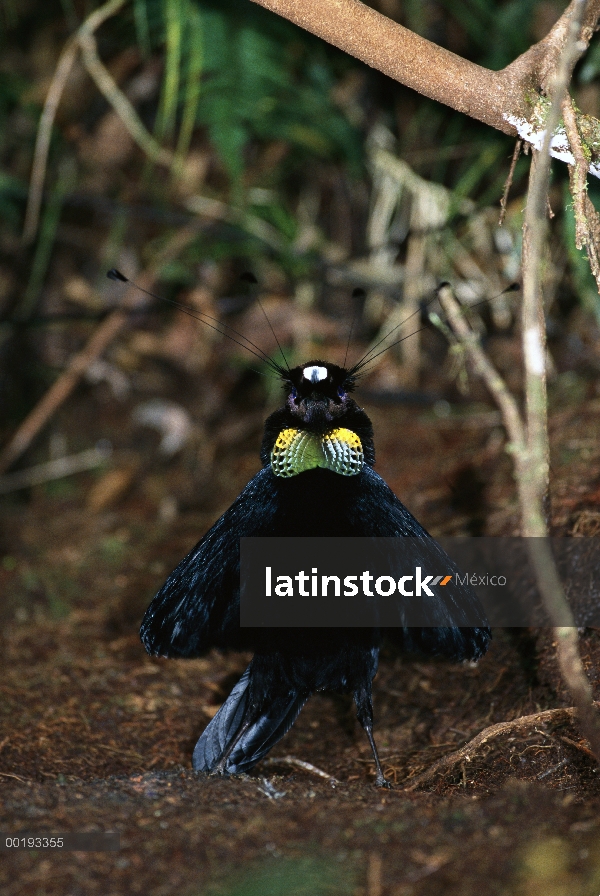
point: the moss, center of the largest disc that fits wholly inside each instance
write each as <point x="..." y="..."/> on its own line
<point x="532" y="98"/>
<point x="541" y="111"/>
<point x="589" y="129"/>
<point x="588" y="126"/>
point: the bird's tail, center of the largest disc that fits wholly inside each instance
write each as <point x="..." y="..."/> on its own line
<point x="270" y="726"/>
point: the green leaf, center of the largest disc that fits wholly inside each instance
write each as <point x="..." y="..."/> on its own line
<point x="169" y="99"/>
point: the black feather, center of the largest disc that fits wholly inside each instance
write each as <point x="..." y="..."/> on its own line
<point x="278" y="716"/>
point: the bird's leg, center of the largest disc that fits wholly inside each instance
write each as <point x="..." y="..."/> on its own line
<point x="380" y="780"/>
<point x="364" y="713"/>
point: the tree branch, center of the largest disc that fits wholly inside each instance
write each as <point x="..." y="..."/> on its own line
<point x="433" y="71"/>
<point x="542" y="59"/>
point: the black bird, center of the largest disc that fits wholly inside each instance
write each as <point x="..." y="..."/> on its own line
<point x="317" y="479"/>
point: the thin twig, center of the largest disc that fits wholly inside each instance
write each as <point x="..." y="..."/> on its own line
<point x="57" y="86"/>
<point x="509" y="180"/>
<point x="300" y="763"/>
<point x="549" y="582"/>
<point x="496" y="385"/>
<point x="42" y="143"/>
<point x="533" y="323"/>
<point x="574" y="676"/>
<point x="85" y="42"/>
<point x="550" y="771"/>
<point x="66" y="382"/>
<point x="117" y="99"/>
<point x="581" y="747"/>
<point x="467" y="752"/>
<point x="593" y="247"/>
<point x="579" y="172"/>
<point x="101" y="339"/>
<point x="54" y="469"/>
<point x="587" y="223"/>
<point x="17" y="777"/>
<point x="216" y="210"/>
<point x="534" y="477"/>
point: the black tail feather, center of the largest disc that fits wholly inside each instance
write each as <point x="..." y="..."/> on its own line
<point x="270" y="726"/>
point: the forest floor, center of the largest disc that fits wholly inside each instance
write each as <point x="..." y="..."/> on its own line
<point x="97" y="736"/>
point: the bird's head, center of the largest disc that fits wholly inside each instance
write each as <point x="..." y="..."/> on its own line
<point x="317" y="393"/>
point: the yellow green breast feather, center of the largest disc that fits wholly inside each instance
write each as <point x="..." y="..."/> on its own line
<point x="296" y="451"/>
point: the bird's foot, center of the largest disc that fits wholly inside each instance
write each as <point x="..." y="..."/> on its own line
<point x="219" y="771"/>
<point x="382" y="781"/>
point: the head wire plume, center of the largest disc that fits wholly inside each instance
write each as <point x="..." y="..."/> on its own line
<point x="369" y="357"/>
<point x="212" y="322"/>
<point x="248" y="277"/>
<point x="283" y="372"/>
<point x="357" y="293"/>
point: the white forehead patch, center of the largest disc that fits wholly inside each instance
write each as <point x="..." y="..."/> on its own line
<point x="315" y="374"/>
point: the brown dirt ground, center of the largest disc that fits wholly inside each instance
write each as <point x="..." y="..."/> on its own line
<point x="95" y="735"/>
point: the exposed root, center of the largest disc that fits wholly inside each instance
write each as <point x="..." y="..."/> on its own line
<point x="466" y="752"/>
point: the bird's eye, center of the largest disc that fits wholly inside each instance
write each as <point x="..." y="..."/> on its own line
<point x="294" y="394"/>
<point x="341" y="392"/>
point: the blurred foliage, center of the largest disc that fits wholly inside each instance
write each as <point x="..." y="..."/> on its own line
<point x="496" y="33"/>
<point x="307" y="876"/>
<point x="270" y="131"/>
<point x="245" y="75"/>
